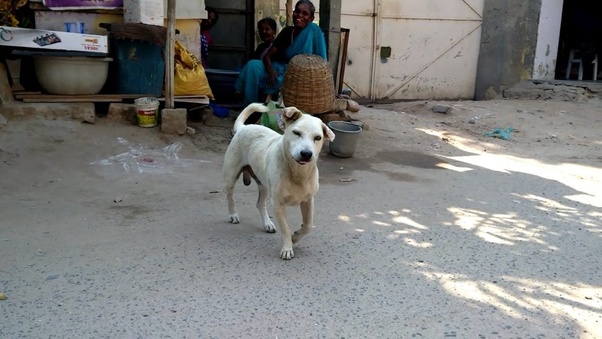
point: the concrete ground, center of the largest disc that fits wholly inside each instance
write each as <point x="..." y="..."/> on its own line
<point x="431" y="230"/>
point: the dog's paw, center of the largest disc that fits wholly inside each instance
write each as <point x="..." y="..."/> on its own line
<point x="296" y="237"/>
<point x="300" y="233"/>
<point x="287" y="253"/>
<point x="234" y="219"/>
<point x="269" y="227"/>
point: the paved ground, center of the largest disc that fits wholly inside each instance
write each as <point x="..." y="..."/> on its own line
<point x="432" y="230"/>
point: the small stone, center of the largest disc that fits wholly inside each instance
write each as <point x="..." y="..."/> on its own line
<point x="173" y="121"/>
<point x="117" y="200"/>
<point x="441" y="109"/>
<point x="190" y="130"/>
<point x="52" y="277"/>
<point x="473" y="120"/>
<point x="339" y="104"/>
<point x="346" y="180"/>
<point x="352" y="106"/>
<point x="3" y="296"/>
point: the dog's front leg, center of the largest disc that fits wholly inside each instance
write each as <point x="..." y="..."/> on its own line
<point x="286" y="252"/>
<point x="307" y="214"/>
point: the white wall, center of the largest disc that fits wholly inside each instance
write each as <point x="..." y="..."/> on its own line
<point x="186" y="9"/>
<point x="548" y="35"/>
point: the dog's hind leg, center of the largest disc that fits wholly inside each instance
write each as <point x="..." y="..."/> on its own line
<point x="231" y="207"/>
<point x="307" y="214"/>
<point x="230" y="178"/>
<point x="286" y="252"/>
<point x="268" y="225"/>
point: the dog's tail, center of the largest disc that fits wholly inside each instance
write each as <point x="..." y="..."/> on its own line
<point x="246" y="113"/>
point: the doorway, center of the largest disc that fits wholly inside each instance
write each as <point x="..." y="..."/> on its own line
<point x="233" y="35"/>
<point x="581" y="40"/>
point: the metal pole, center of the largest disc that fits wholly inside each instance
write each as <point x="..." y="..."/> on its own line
<point x="330" y="23"/>
<point x="169" y="53"/>
<point x="377" y="15"/>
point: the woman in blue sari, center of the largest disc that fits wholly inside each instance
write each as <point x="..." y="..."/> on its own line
<point x="265" y="75"/>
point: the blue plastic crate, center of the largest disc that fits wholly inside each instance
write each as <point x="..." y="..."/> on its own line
<point x="139" y="67"/>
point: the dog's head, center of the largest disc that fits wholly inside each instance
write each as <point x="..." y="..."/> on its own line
<point x="304" y="135"/>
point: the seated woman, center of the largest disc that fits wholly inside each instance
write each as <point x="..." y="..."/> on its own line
<point x="267" y="29"/>
<point x="304" y="37"/>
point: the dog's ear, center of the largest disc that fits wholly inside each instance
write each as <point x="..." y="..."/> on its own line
<point x="328" y="132"/>
<point x="290" y="114"/>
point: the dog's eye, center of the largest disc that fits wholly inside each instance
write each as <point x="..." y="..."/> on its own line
<point x="297" y="133"/>
<point x="318" y="138"/>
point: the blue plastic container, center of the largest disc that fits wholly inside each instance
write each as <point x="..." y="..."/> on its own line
<point x="138" y="67"/>
<point x="220" y="111"/>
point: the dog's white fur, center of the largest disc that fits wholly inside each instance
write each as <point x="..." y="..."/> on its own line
<point x="284" y="167"/>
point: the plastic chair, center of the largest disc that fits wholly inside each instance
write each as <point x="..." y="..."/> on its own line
<point x="575" y="57"/>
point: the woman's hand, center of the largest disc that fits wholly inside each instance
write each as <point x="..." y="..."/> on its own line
<point x="271" y="78"/>
<point x="267" y="62"/>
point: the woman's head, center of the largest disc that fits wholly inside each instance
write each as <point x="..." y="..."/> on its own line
<point x="211" y="20"/>
<point x="267" y="29"/>
<point x="303" y="13"/>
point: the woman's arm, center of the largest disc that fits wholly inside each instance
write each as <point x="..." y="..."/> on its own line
<point x="281" y="42"/>
<point x="267" y="63"/>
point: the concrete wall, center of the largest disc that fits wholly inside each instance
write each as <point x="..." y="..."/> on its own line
<point x="267" y="8"/>
<point x="508" y="44"/>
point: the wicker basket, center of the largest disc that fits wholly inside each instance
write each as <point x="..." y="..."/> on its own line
<point x="308" y="84"/>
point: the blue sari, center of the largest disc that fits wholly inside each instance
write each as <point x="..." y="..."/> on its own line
<point x="254" y="76"/>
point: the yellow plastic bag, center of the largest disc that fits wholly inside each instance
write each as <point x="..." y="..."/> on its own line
<point x="190" y="77"/>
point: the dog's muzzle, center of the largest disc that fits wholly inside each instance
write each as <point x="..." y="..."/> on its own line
<point x="305" y="157"/>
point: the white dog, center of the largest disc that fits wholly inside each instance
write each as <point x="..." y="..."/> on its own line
<point x="284" y="167"/>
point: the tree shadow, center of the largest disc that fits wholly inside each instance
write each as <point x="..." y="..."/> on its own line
<point x="502" y="234"/>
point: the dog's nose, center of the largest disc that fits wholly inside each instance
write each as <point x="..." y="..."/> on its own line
<point x="306" y="155"/>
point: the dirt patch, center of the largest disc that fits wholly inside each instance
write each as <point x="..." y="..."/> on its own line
<point x="548" y="129"/>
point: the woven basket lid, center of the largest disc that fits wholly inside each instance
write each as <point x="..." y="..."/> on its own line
<point x="308" y="84"/>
